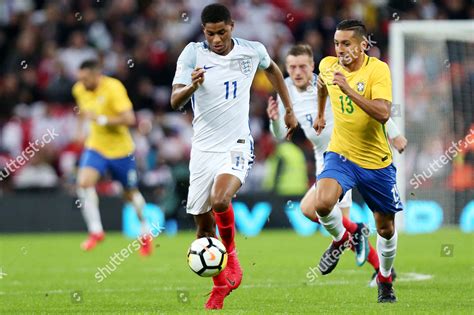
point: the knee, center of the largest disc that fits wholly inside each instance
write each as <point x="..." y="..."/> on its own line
<point x="308" y="209"/>
<point x="386" y="230"/>
<point x="220" y="203"/>
<point x="83" y="183"/>
<point x="324" y="204"/>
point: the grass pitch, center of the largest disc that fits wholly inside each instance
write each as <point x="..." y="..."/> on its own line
<point x="48" y="273"/>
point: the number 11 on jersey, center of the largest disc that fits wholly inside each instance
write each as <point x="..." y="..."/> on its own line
<point x="227" y="86"/>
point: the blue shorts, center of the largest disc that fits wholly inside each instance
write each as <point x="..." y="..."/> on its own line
<point x="378" y="187"/>
<point x="123" y="169"/>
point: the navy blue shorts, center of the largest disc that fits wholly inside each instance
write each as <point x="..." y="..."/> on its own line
<point x="123" y="169"/>
<point x="378" y="187"/>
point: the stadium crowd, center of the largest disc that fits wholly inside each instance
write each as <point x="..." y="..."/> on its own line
<point x="43" y="42"/>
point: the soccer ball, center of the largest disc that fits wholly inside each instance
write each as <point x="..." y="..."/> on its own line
<point x="207" y="257"/>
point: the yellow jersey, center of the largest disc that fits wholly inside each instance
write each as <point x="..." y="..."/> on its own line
<point x="356" y="135"/>
<point x="110" y="99"/>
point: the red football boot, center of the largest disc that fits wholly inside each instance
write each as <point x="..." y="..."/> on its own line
<point x="146" y="245"/>
<point x="92" y="241"/>
<point x="233" y="272"/>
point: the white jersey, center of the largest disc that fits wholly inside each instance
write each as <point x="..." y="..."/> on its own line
<point x="221" y="104"/>
<point x="305" y="107"/>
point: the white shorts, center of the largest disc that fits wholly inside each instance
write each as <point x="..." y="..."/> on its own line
<point x="346" y="201"/>
<point x="205" y="166"/>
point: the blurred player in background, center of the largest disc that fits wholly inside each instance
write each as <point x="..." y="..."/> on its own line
<point x="360" y="91"/>
<point x="216" y="75"/>
<point x="103" y="101"/>
<point x="301" y="85"/>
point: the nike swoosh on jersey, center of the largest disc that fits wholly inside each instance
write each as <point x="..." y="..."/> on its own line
<point x="206" y="68"/>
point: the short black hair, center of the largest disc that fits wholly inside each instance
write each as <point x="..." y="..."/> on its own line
<point x="215" y="13"/>
<point x="353" y="25"/>
<point x="90" y="64"/>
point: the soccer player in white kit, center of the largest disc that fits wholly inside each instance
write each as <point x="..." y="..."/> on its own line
<point x="301" y="85"/>
<point x="216" y="75"/>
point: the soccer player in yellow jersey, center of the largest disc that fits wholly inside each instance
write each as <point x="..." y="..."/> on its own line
<point x="103" y="101"/>
<point x="358" y="155"/>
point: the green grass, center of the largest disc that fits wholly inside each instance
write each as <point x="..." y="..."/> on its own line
<point x="43" y="270"/>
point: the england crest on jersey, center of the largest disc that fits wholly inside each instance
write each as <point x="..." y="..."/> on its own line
<point x="245" y="65"/>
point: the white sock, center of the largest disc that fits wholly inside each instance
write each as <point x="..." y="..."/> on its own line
<point x="386" y="250"/>
<point x="138" y="203"/>
<point x="90" y="209"/>
<point x="333" y="223"/>
<point x="145" y="229"/>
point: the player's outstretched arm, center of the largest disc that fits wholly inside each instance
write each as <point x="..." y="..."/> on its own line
<point x="379" y="109"/>
<point x="181" y="93"/>
<point x="275" y="77"/>
<point x="125" y="118"/>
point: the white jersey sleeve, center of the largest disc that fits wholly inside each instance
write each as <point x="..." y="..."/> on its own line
<point x="185" y="65"/>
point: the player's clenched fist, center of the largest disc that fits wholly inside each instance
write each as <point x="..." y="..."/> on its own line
<point x="291" y="123"/>
<point x="400" y="143"/>
<point x="340" y="81"/>
<point x="197" y="77"/>
<point x="272" y="109"/>
<point x="319" y="125"/>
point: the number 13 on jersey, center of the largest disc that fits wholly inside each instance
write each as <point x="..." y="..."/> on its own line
<point x="347" y="106"/>
<point x="227" y="87"/>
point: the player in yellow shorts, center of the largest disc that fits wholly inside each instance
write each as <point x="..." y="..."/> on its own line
<point x="103" y="101"/>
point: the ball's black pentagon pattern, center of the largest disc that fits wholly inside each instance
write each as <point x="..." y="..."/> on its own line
<point x="192" y="252"/>
<point x="210" y="241"/>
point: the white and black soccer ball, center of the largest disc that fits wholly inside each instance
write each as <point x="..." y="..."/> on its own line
<point x="207" y="257"/>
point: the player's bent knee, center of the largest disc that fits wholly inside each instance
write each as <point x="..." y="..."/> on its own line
<point x="87" y="178"/>
<point x="324" y="202"/>
<point x="386" y="231"/>
<point x="324" y="206"/>
<point x="84" y="183"/>
<point x="220" y="204"/>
